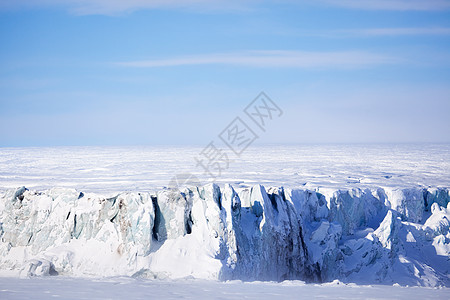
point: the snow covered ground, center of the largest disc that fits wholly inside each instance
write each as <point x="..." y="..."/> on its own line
<point x="118" y="169"/>
<point x="128" y="288"/>
<point x="364" y="214"/>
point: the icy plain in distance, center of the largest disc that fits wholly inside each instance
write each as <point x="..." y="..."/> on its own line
<point x="371" y="214"/>
<point x="119" y="169"/>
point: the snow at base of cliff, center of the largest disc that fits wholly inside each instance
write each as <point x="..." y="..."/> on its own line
<point x="64" y="287"/>
<point x="364" y="236"/>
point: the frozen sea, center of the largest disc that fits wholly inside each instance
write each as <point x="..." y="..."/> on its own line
<point x="128" y="288"/>
<point x="118" y="169"/>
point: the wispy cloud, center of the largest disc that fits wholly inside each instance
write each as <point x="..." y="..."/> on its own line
<point x="370" y="32"/>
<point x="115" y="7"/>
<point x="272" y="59"/>
<point x="399" y="5"/>
<point x="398" y="31"/>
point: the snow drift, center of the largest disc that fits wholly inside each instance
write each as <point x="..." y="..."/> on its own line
<point x="364" y="236"/>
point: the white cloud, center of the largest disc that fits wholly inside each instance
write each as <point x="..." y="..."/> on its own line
<point x="275" y="59"/>
<point x="399" y="31"/>
<point x="400" y="5"/>
<point x="366" y="32"/>
<point x="374" y="32"/>
<point x="114" y="7"/>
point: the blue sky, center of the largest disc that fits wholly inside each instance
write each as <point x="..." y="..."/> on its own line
<point x="177" y="72"/>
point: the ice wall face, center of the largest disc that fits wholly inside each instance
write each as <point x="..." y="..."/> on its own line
<point x="364" y="236"/>
<point x="269" y="237"/>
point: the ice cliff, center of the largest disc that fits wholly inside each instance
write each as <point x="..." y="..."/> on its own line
<point x="365" y="236"/>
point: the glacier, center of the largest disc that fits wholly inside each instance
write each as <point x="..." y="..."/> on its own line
<point x="364" y="236"/>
